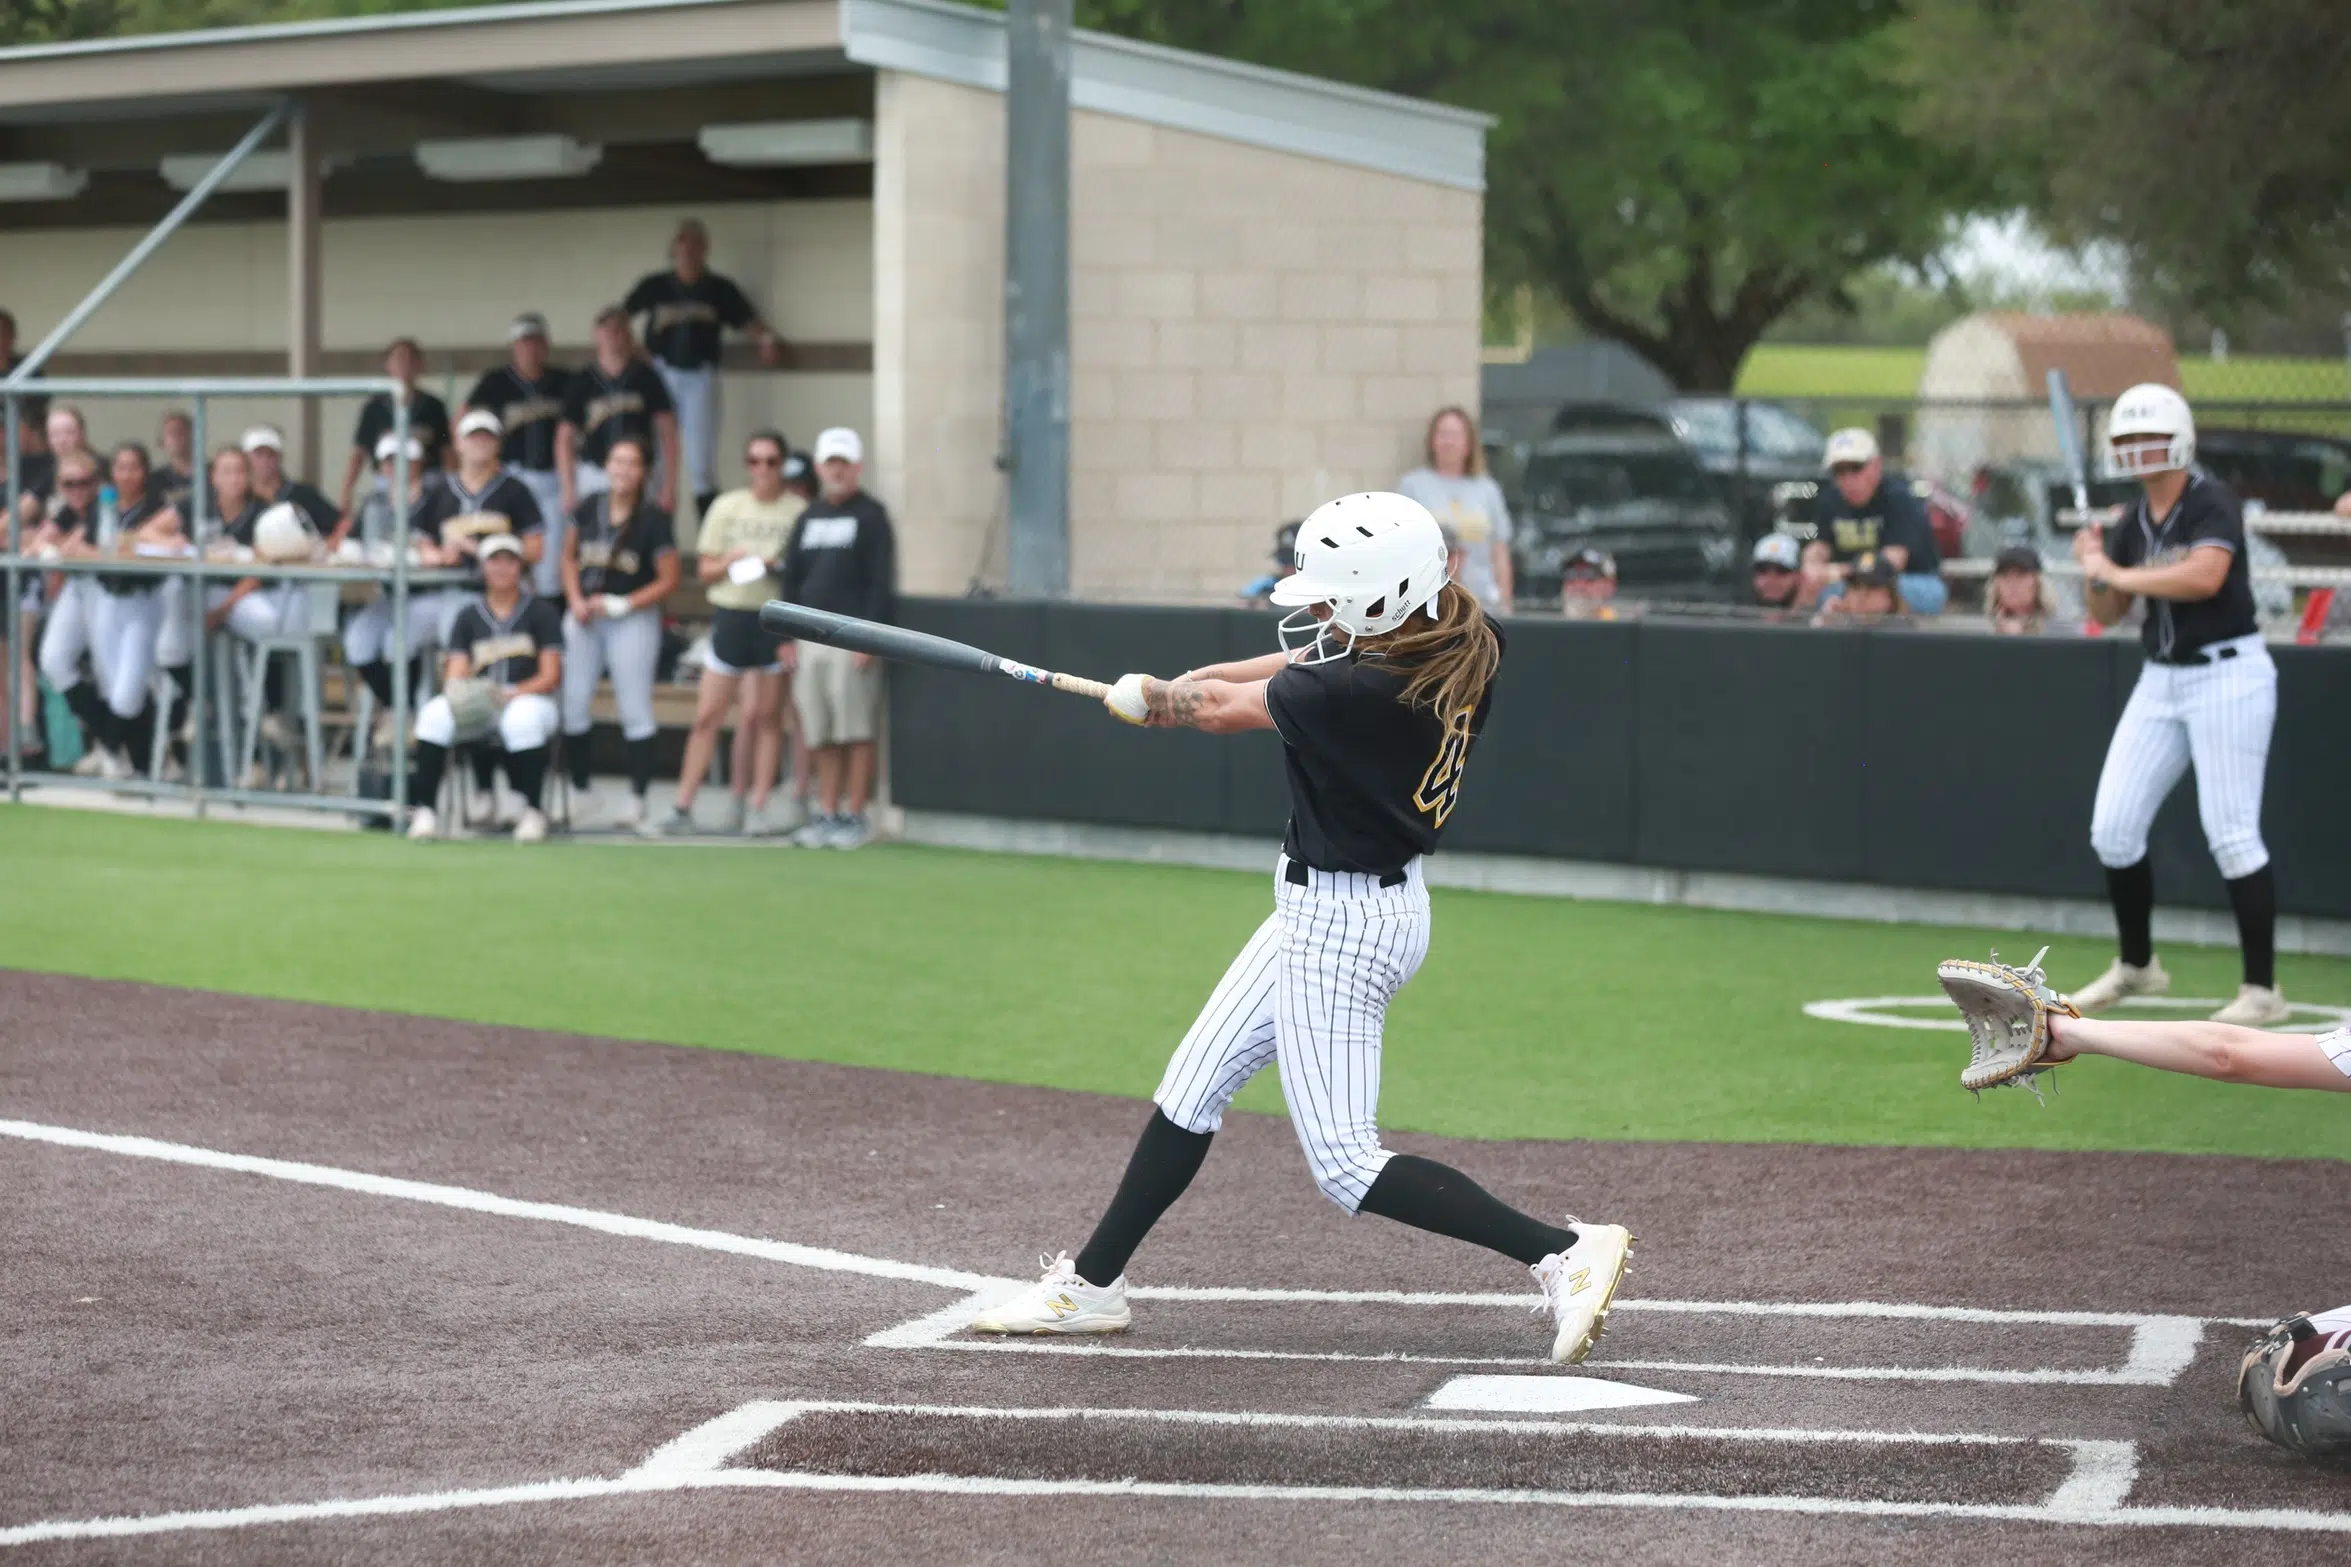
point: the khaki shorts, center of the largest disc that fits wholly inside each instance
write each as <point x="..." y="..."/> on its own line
<point x="838" y="703"/>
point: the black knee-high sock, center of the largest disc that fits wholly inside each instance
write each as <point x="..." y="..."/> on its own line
<point x="527" y="771"/>
<point x="424" y="780"/>
<point x="485" y="767"/>
<point x="2254" y="897"/>
<point x="183" y="680"/>
<point x="135" y="735"/>
<point x="640" y="766"/>
<point x="1431" y="1196"/>
<point x="575" y="759"/>
<point x="1163" y="1164"/>
<point x="2132" y="890"/>
<point x="91" y="712"/>
<point x="378" y="675"/>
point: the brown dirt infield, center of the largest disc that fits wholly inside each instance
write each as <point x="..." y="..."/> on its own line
<point x="194" y="1339"/>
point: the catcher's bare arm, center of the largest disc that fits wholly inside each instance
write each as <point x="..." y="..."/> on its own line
<point x="2221" y="1051"/>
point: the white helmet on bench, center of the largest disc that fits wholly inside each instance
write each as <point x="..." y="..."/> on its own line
<point x="1374" y="559"/>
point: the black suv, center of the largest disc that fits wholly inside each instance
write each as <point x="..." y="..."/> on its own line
<point x="1636" y="491"/>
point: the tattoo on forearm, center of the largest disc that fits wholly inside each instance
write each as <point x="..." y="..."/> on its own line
<point x="1174" y="703"/>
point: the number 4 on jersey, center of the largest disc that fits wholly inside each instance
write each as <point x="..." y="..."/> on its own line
<point x="1440" y="786"/>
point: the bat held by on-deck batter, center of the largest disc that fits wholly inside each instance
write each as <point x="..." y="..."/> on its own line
<point x="801" y="623"/>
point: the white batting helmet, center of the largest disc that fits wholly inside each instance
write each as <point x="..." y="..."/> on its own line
<point x="282" y="534"/>
<point x="1373" y="558"/>
<point x="2150" y="408"/>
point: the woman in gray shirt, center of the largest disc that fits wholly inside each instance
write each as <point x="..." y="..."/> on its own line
<point x="1464" y="498"/>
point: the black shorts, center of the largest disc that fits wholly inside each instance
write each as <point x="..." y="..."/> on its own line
<point x="739" y="644"/>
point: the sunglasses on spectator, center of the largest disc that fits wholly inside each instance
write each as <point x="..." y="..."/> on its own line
<point x="86" y="481"/>
<point x="1766" y="569"/>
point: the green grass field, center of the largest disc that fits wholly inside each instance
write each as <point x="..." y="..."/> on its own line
<point x="1859" y="372"/>
<point x="1533" y="1018"/>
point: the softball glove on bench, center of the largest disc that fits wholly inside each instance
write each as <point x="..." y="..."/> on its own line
<point x="2008" y="1012"/>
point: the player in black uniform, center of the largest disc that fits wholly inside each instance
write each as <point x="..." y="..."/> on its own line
<point x="129" y="619"/>
<point x="512" y="638"/>
<point x="367" y="640"/>
<point x="70" y="531"/>
<point x="526" y="393"/>
<point x="685" y="311"/>
<point x="265" y="450"/>
<point x="428" y="417"/>
<point x="619" y="563"/>
<point x="619" y="394"/>
<point x="1377" y="714"/>
<point x="2207" y="695"/>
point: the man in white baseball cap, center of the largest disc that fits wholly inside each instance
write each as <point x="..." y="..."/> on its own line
<point x="265" y="453"/>
<point x="1865" y="510"/>
<point x="842" y="558"/>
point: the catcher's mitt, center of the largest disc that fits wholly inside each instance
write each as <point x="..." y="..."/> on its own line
<point x="473" y="704"/>
<point x="2007" y="1011"/>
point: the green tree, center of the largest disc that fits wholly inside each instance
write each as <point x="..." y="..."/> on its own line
<point x="1679" y="175"/>
<point x="2205" y="136"/>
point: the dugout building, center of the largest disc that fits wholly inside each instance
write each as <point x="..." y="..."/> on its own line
<point x="1275" y="279"/>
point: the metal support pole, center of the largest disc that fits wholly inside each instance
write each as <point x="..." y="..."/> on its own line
<point x="304" y="280"/>
<point x="199" y="636"/>
<point x="400" y="692"/>
<point x="147" y="247"/>
<point x="1036" y="294"/>
<point x="11" y="486"/>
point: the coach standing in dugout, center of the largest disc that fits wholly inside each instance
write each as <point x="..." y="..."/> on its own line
<point x="428" y="418"/>
<point x="686" y="311"/>
<point x="526" y="393"/>
<point x="1864" y="510"/>
<point x="842" y="559"/>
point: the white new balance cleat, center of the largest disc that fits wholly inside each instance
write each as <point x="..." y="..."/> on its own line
<point x="1060" y="1302"/>
<point x="424" y="824"/>
<point x="1579" y="1284"/>
<point x="2256" y="1006"/>
<point x="2122" y="979"/>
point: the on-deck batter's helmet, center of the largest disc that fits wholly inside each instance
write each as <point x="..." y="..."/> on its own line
<point x="2295" y="1386"/>
<point x="2150" y="408"/>
<point x="1373" y="559"/>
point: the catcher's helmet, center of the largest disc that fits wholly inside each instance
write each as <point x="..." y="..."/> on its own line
<point x="2150" y="408"/>
<point x="1373" y="558"/>
<point x="2295" y="1387"/>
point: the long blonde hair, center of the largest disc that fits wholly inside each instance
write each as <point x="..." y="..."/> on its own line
<point x="1472" y="465"/>
<point x="1449" y="661"/>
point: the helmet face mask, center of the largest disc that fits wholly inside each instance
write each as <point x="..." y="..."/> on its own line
<point x="2148" y="431"/>
<point x="1367" y="562"/>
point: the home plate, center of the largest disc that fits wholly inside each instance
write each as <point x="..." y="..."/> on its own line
<point x="1551" y="1395"/>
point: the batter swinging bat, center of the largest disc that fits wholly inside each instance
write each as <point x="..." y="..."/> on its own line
<point x="2069" y="442"/>
<point x="909" y="647"/>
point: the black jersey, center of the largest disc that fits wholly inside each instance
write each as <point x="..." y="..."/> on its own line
<point x="428" y="422"/>
<point x="30" y="410"/>
<point x="505" y="649"/>
<point x="69" y="521"/>
<point x="1894" y="515"/>
<point x="1372" y="781"/>
<point x="620" y="559"/>
<point x="504" y="504"/>
<point x="238" y="528"/>
<point x="683" y="320"/>
<point x="530" y="411"/>
<point x="309" y="501"/>
<point x="603" y="408"/>
<point x="2207" y="513"/>
<point x="36" y="474"/>
<point x="128" y="521"/>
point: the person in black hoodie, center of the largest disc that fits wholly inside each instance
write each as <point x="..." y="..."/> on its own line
<point x="842" y="558"/>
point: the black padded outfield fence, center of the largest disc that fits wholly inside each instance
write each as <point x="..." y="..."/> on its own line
<point x="1952" y="761"/>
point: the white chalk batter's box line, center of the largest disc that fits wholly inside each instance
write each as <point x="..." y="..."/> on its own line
<point x="2161" y="1347"/>
<point x="2095" y="1491"/>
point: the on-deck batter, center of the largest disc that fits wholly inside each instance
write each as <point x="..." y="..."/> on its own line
<point x="2208" y="695"/>
<point x="1379" y="697"/>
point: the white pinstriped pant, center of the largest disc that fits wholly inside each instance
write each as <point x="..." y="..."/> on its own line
<point x="1310" y="991"/>
<point x="2216" y="715"/>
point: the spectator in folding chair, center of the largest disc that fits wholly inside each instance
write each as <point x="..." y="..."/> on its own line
<point x="367" y="640"/>
<point x="741" y="542"/>
<point x="505" y="663"/>
<point x="620" y="560"/>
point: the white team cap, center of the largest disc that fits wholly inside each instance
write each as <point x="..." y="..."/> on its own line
<point x="529" y="324"/>
<point x="500" y="544"/>
<point x="388" y="447"/>
<point x="1854" y="445"/>
<point x="259" y="436"/>
<point x="479" y="419"/>
<point x="839" y="441"/>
